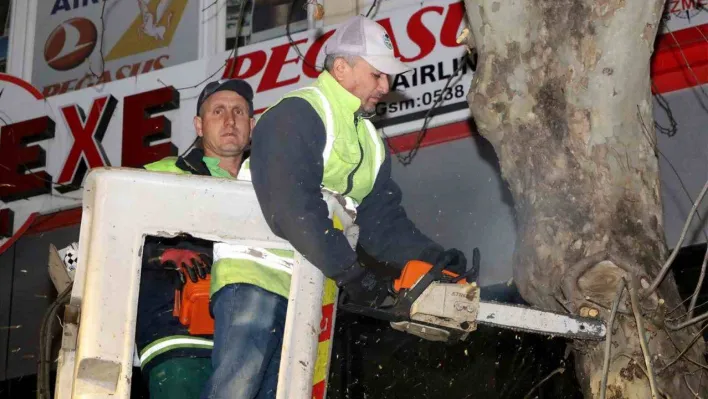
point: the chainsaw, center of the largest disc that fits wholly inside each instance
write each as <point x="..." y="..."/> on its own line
<point x="438" y="305"/>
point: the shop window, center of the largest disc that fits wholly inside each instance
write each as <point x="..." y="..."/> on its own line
<point x="3" y="53"/>
<point x="4" y="33"/>
<point x="263" y="20"/>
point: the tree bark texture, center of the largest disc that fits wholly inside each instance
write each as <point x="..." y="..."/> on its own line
<point x="562" y="92"/>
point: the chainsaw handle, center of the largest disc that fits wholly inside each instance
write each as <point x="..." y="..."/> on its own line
<point x="394" y="313"/>
<point x="435" y="273"/>
<point x="400" y="310"/>
<point x="472" y="274"/>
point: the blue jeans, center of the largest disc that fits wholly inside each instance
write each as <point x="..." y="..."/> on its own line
<point x="248" y="335"/>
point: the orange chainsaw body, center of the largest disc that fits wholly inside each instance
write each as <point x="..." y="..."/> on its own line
<point x="192" y="307"/>
<point x="413" y="271"/>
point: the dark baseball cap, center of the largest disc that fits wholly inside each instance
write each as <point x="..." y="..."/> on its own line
<point x="238" y="86"/>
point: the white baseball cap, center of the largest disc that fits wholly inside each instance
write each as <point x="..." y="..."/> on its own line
<point x="364" y="37"/>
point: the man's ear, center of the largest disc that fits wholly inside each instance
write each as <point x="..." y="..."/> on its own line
<point x="253" y="124"/>
<point x="198" y="126"/>
<point x="340" y="69"/>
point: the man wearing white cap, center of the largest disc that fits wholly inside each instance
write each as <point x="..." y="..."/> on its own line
<point x="317" y="139"/>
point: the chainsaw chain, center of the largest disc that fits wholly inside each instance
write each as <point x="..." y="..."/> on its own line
<point x="528" y="330"/>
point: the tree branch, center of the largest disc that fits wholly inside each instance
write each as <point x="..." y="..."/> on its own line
<point x="633" y="287"/>
<point x="660" y="277"/>
<point x="695" y="394"/>
<point x="677" y="308"/>
<point x="699" y="285"/>
<point x="683" y="352"/>
<point x="608" y="342"/>
<point x="695" y="337"/>
<point x="687" y="323"/>
<point x="554" y="372"/>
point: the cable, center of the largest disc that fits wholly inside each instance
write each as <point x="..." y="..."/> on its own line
<point x="45" y="343"/>
<point x="408" y="158"/>
<point x="213" y="3"/>
<point x="663" y="104"/>
<point x="373" y="4"/>
<point x="231" y="55"/>
<point x="657" y="152"/>
<point x="100" y="47"/>
<point x="292" y="42"/>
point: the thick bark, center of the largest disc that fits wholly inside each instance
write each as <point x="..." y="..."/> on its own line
<point x="562" y="91"/>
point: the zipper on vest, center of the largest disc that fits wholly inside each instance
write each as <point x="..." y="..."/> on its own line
<point x="350" y="178"/>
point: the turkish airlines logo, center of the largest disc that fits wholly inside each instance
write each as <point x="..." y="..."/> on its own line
<point x="70" y="44"/>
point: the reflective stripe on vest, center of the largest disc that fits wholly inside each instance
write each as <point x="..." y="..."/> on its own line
<point x="331" y="136"/>
<point x="377" y="141"/>
<point x="262" y="257"/>
<point x="171" y="343"/>
<point x="329" y="122"/>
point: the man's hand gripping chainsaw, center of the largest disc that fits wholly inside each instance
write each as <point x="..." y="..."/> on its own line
<point x="438" y="305"/>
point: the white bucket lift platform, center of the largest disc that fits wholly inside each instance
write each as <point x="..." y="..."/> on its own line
<point x="120" y="208"/>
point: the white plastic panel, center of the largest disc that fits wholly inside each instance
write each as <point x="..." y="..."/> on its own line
<point x="120" y="207"/>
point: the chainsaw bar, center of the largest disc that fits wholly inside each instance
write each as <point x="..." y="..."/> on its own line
<point x="521" y="318"/>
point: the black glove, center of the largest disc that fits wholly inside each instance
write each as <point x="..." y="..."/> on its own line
<point x="456" y="261"/>
<point x="363" y="287"/>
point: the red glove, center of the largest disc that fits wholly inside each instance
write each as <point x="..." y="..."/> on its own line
<point x="186" y="262"/>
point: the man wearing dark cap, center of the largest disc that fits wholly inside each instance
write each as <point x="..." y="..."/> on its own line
<point x="248" y="287"/>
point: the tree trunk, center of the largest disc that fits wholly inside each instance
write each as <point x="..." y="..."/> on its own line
<point x="562" y="91"/>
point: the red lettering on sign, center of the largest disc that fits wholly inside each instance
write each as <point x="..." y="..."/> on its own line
<point x="275" y="66"/>
<point x="132" y="70"/>
<point x="7" y="217"/>
<point x="256" y="59"/>
<point x="688" y="4"/>
<point x="65" y="86"/>
<point x="98" y="77"/>
<point x="312" y="53"/>
<point x="80" y="83"/>
<point x="18" y="158"/>
<point x="451" y="25"/>
<point x="147" y="66"/>
<point x="677" y="6"/>
<point x="420" y="35"/>
<point x="158" y="61"/>
<point x="88" y="133"/>
<point x="140" y="130"/>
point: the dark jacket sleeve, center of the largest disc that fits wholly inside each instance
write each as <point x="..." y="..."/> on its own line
<point x="286" y="171"/>
<point x="385" y="231"/>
